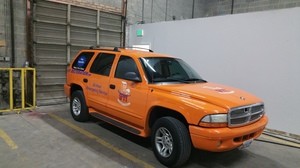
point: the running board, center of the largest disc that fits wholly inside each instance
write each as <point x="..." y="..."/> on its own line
<point x="116" y="123"/>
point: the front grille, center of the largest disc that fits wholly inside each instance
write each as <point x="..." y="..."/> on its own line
<point x="244" y="115"/>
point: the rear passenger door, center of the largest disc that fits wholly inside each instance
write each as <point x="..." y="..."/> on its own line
<point x="98" y="83"/>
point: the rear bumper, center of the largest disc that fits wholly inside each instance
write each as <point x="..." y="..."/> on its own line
<point x="225" y="139"/>
<point x="67" y="90"/>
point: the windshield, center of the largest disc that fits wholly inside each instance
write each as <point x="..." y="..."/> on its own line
<point x="164" y="69"/>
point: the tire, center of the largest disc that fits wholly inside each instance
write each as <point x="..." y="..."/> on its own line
<point x="78" y="107"/>
<point x="171" y="142"/>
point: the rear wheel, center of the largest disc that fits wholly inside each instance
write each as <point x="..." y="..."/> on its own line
<point x="171" y="142"/>
<point x="78" y="107"/>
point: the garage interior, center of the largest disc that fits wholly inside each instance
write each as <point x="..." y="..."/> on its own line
<point x="248" y="44"/>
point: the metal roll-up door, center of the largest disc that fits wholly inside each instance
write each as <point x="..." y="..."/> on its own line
<point x="83" y="29"/>
<point x="110" y="29"/>
<point x="59" y="32"/>
<point x="50" y="49"/>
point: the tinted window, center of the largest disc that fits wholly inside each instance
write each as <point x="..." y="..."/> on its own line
<point x="169" y="70"/>
<point x="126" y="66"/>
<point x="82" y="60"/>
<point x="102" y="64"/>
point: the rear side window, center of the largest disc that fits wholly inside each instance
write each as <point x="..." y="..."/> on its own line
<point x="82" y="61"/>
<point x="102" y="64"/>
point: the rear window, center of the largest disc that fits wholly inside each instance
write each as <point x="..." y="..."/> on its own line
<point x="82" y="60"/>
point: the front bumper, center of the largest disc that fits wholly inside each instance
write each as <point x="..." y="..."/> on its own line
<point x="225" y="139"/>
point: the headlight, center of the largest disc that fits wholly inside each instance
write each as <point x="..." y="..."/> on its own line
<point x="214" y="120"/>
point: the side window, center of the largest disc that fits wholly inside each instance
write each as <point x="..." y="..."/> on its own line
<point x="82" y="61"/>
<point x="102" y="64"/>
<point x="127" y="69"/>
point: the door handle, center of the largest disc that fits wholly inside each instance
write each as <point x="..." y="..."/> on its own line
<point x="112" y="86"/>
<point x="85" y="80"/>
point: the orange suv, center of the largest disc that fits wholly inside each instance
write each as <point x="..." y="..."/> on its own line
<point x="156" y="95"/>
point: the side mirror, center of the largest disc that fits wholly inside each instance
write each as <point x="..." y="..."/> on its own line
<point x="132" y="76"/>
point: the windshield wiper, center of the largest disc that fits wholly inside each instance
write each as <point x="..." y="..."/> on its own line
<point x="190" y="80"/>
<point x="176" y="80"/>
<point x="195" y="80"/>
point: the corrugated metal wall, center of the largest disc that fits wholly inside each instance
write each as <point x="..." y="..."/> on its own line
<point x="59" y="32"/>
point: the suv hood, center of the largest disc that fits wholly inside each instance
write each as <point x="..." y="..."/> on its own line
<point x="220" y="95"/>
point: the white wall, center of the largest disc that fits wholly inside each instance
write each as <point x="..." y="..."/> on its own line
<point x="258" y="52"/>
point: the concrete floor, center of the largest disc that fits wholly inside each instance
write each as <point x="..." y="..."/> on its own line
<point x="49" y="137"/>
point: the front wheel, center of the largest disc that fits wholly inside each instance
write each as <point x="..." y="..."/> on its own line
<point x="78" y="107"/>
<point x="171" y="142"/>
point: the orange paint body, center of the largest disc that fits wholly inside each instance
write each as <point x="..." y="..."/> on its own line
<point x="131" y="103"/>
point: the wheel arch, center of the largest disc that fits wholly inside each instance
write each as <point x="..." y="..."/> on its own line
<point x="160" y="111"/>
<point x="75" y="87"/>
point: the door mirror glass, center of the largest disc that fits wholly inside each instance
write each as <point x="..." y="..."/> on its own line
<point x="132" y="76"/>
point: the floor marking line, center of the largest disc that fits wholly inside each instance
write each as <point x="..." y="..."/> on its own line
<point x="8" y="140"/>
<point x="278" y="140"/>
<point x="101" y="141"/>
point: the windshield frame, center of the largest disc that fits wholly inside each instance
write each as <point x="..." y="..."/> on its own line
<point x="187" y="74"/>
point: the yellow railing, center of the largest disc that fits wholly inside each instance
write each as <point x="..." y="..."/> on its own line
<point x="13" y="81"/>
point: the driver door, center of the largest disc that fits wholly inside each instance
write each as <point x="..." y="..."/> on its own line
<point x="128" y="93"/>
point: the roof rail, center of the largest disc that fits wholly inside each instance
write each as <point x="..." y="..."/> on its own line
<point x="140" y="48"/>
<point x="105" y="48"/>
<point x="91" y="47"/>
<point x="117" y="48"/>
